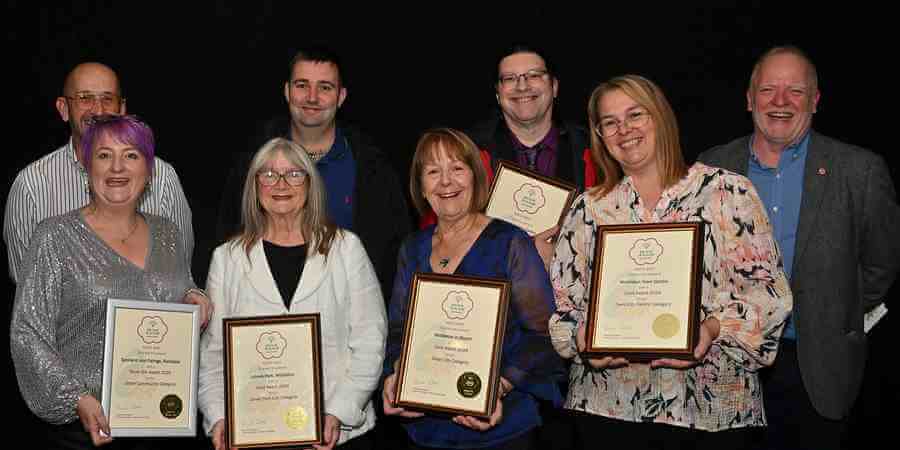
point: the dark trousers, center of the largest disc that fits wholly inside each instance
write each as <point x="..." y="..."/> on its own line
<point x="596" y="432"/>
<point x="364" y="442"/>
<point x="389" y="433"/>
<point x="558" y="429"/>
<point x="72" y="436"/>
<point x="872" y="418"/>
<point x="525" y="441"/>
<point x="793" y="422"/>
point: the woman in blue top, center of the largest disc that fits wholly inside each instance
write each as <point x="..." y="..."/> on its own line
<point x="447" y="177"/>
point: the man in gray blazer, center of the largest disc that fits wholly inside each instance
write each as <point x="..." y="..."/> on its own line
<point x="834" y="213"/>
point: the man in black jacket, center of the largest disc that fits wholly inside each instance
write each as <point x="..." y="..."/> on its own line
<point x="525" y="131"/>
<point x="364" y="192"/>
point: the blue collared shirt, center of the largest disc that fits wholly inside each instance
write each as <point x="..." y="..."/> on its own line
<point x="338" y="170"/>
<point x="781" y="189"/>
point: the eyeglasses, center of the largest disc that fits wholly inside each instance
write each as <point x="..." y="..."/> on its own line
<point x="609" y="126"/>
<point x="532" y="77"/>
<point x="86" y="100"/>
<point x="271" y="177"/>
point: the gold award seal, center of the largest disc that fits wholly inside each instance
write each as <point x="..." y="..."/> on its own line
<point x="665" y="326"/>
<point x="170" y="406"/>
<point x="296" y="417"/>
<point x="468" y="384"/>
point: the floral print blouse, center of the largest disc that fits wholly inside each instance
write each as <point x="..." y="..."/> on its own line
<point x="744" y="287"/>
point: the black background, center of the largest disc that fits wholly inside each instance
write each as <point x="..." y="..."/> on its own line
<point x="204" y="74"/>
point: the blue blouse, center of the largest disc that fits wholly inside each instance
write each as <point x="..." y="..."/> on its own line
<point x="528" y="360"/>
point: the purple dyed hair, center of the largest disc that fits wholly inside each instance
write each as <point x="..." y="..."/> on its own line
<point x="127" y="130"/>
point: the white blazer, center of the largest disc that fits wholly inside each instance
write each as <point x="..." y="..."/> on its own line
<point x="343" y="290"/>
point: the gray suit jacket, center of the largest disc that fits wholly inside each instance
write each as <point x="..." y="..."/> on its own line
<point x="847" y="256"/>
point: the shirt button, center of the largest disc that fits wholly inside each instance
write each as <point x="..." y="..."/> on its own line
<point x="778" y="175"/>
<point x="775" y="208"/>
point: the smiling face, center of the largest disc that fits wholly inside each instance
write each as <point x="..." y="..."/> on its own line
<point x="634" y="148"/>
<point x="447" y="185"/>
<point x="118" y="173"/>
<point x="529" y="100"/>
<point x="782" y="99"/>
<point x="314" y="94"/>
<point x="93" y="81"/>
<point x="282" y="200"/>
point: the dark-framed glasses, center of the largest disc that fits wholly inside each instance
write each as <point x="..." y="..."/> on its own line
<point x="271" y="177"/>
<point x="532" y="77"/>
<point x="86" y="100"/>
<point x="609" y="126"/>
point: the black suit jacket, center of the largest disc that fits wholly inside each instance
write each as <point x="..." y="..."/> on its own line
<point x="846" y="258"/>
<point x="493" y="136"/>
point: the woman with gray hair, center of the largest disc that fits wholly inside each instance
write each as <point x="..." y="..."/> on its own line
<point x="289" y="258"/>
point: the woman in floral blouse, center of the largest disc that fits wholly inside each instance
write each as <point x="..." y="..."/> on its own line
<point x="745" y="294"/>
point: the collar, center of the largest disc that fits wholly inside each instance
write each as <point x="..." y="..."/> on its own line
<point x="70" y="152"/>
<point x="795" y="150"/>
<point x="549" y="141"/>
<point x="339" y="148"/>
<point x="668" y="194"/>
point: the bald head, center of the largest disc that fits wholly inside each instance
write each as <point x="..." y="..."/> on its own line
<point x="91" y="73"/>
<point x="90" y="89"/>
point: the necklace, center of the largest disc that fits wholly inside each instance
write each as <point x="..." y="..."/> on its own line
<point x="93" y="209"/>
<point x="130" y="233"/>
<point x="315" y="157"/>
<point x="467" y="238"/>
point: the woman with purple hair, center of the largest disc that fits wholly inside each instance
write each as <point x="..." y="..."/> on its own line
<point x="78" y="260"/>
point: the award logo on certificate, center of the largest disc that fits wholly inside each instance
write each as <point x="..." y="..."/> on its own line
<point x="452" y="341"/>
<point x="273" y="381"/>
<point x="527" y="199"/>
<point x="150" y="368"/>
<point x="645" y="291"/>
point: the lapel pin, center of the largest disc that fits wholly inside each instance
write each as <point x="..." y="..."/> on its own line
<point x="821" y="171"/>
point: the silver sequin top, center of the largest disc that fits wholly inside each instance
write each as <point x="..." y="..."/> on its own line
<point x="58" y="322"/>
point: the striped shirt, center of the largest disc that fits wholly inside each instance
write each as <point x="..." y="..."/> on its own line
<point x="57" y="183"/>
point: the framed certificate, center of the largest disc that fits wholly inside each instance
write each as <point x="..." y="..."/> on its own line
<point x="527" y="199"/>
<point x="645" y="291"/>
<point x="150" y="368"/>
<point x="452" y="342"/>
<point x="273" y="381"/>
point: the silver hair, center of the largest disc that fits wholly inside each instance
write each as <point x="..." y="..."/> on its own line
<point x="317" y="228"/>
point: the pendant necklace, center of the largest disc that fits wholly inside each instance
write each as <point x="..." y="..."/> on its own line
<point x="130" y="232"/>
<point x="445" y="261"/>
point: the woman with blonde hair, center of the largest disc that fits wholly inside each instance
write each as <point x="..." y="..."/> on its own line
<point x="715" y="400"/>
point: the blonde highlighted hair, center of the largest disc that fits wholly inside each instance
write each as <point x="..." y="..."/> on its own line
<point x="647" y="94"/>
